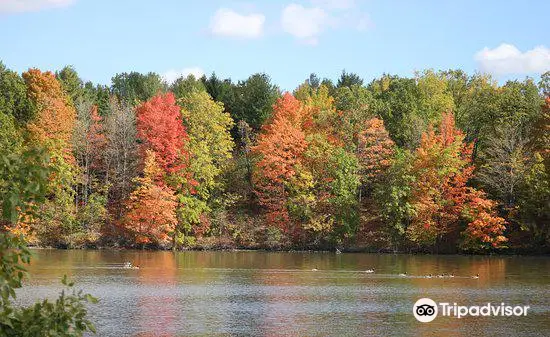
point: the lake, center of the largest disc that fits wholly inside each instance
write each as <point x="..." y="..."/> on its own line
<point x="248" y="293"/>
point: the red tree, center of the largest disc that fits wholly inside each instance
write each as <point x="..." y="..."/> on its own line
<point x="161" y="130"/>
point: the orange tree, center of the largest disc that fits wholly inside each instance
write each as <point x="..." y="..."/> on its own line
<point x="151" y="208"/>
<point x="280" y="146"/>
<point x="440" y="197"/>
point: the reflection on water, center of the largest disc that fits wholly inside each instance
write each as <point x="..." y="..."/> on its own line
<point x="278" y="294"/>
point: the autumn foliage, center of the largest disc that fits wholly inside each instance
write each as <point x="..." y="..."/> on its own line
<point x="441" y="197"/>
<point x="341" y="165"/>
<point x="305" y="179"/>
<point x="375" y="149"/>
<point x="485" y="229"/>
<point x="161" y="130"/>
<point x="280" y="147"/>
<point x="165" y="150"/>
<point x="55" y="116"/>
<point x="151" y="208"/>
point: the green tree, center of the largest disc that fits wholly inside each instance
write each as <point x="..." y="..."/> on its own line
<point x="487" y="108"/>
<point x="334" y="170"/>
<point x="314" y="81"/>
<point x="349" y="80"/>
<point x="330" y="85"/>
<point x="344" y="188"/>
<point x="91" y="218"/>
<point x="534" y="203"/>
<point x="356" y="105"/>
<point x="184" y="86"/>
<point x="13" y="96"/>
<point x="303" y="92"/>
<point x="254" y="100"/>
<point x="400" y="109"/>
<point x="23" y="185"/>
<point x="55" y="225"/>
<point x="435" y="97"/>
<point x="309" y="86"/>
<point x="540" y="134"/>
<point x="457" y="84"/>
<point x="101" y="95"/>
<point x="393" y="198"/>
<point x="520" y="103"/>
<point x="72" y="84"/>
<point x="10" y="139"/>
<point x="221" y="91"/>
<point x="135" y="87"/>
<point x="544" y="83"/>
<point x="210" y="147"/>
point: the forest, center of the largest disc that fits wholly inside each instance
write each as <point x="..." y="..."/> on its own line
<point x="440" y="162"/>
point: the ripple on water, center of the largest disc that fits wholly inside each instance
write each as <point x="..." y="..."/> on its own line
<point x="259" y="293"/>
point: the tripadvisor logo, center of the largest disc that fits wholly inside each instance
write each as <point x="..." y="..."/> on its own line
<point x="426" y="310"/>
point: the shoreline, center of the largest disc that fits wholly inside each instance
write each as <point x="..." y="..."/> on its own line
<point x="314" y="251"/>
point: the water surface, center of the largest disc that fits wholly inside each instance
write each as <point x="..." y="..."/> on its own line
<point x="278" y="294"/>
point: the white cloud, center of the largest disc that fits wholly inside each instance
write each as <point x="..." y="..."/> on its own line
<point x="20" y="6"/>
<point x="171" y="75"/>
<point x="308" y="23"/>
<point x="228" y="23"/>
<point x="304" y="23"/>
<point x="507" y="59"/>
<point x="334" y="4"/>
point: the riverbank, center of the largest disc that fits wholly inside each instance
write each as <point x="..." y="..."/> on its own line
<point x="353" y="250"/>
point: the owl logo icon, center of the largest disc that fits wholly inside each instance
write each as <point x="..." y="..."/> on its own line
<point x="425" y="310"/>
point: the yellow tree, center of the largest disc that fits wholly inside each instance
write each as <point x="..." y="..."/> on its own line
<point x="210" y="148"/>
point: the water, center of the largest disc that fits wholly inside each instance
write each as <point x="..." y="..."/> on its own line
<point x="277" y="294"/>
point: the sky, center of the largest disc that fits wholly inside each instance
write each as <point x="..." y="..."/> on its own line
<point x="287" y="39"/>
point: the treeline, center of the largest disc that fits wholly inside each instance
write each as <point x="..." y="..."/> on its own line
<point x="439" y="162"/>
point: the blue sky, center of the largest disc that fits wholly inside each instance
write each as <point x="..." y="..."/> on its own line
<point x="286" y="39"/>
